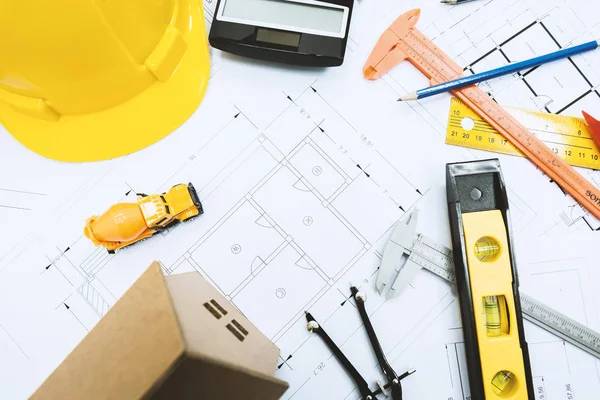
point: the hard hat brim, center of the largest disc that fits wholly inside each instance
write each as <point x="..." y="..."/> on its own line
<point x="130" y="126"/>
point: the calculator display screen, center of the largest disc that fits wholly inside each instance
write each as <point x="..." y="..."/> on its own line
<point x="308" y="16"/>
<point x="278" y="37"/>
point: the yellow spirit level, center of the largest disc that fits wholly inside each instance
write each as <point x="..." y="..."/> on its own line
<point x="487" y="283"/>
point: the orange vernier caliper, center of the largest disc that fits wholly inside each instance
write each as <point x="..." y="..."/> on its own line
<point x="402" y="41"/>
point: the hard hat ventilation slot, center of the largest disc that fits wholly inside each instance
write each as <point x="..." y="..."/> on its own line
<point x="34" y="107"/>
<point x="167" y="55"/>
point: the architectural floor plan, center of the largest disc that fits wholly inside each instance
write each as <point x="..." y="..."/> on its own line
<point x="302" y="174"/>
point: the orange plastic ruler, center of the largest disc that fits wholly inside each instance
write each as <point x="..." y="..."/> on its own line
<point x="402" y="41"/>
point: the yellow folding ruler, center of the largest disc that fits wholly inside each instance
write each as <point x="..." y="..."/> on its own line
<point x="568" y="137"/>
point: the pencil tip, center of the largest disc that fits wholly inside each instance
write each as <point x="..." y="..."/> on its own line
<point x="410" y="96"/>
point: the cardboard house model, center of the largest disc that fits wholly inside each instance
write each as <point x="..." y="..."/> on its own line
<point x="169" y="337"/>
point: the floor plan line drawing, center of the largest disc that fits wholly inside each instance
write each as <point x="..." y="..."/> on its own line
<point x="399" y="90"/>
<point x="462" y="381"/>
<point x="256" y="188"/>
<point x="585" y="316"/>
<point x="94" y="299"/>
<point x="76" y="317"/>
<point x="13" y="341"/>
<point x="18" y="200"/>
<point x="52" y="264"/>
<point x="443" y="302"/>
<point x="523" y="75"/>
<point x="303" y="175"/>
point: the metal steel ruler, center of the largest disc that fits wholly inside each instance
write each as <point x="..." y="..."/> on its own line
<point x="438" y="259"/>
<point x="403" y="41"/>
<point x="568" y="137"/>
<point x="433" y="257"/>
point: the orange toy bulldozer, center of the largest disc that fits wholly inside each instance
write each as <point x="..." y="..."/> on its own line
<point x="126" y="223"/>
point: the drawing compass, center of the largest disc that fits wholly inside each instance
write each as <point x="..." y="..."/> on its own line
<point x="393" y="387"/>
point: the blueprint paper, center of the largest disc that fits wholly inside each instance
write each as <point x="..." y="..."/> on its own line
<point x="564" y="276"/>
<point x="303" y="174"/>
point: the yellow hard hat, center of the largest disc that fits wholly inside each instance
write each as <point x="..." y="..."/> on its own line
<point x="87" y="80"/>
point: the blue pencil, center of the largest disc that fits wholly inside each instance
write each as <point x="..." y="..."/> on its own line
<point x="505" y="70"/>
